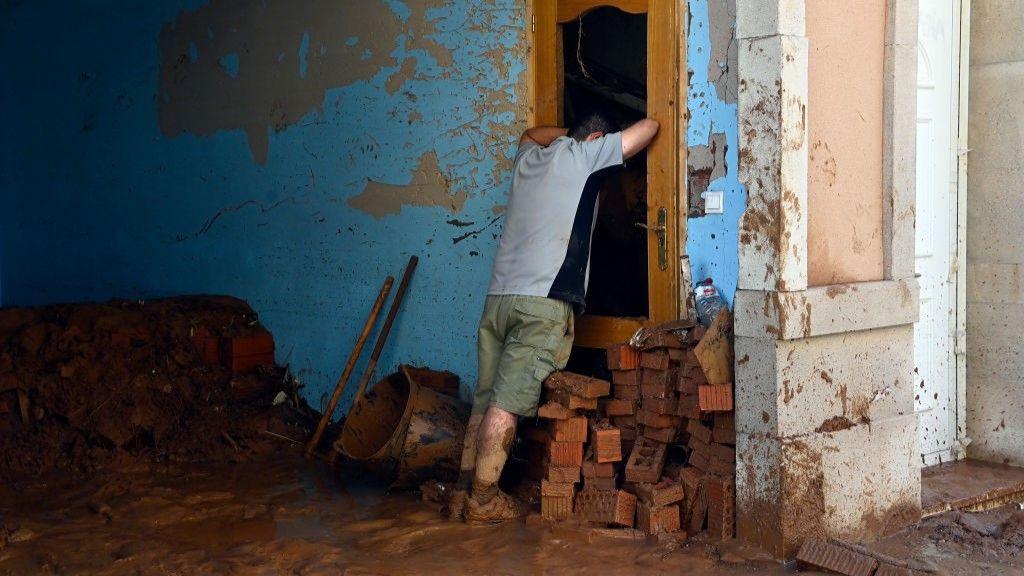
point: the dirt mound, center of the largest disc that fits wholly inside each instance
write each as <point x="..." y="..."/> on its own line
<point x="999" y="533"/>
<point x="86" y="385"/>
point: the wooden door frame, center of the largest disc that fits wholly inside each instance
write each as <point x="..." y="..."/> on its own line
<point x="666" y="157"/>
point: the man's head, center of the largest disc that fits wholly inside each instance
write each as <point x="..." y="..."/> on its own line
<point x="592" y="126"/>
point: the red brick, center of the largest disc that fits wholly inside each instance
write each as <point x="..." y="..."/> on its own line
<point x="626" y="377"/>
<point x="601" y="483"/>
<point x="648" y="418"/>
<point x="645" y="461"/>
<point x="662" y="435"/>
<point x="689" y="406"/>
<point x="626" y="392"/>
<point x="563" y="474"/>
<point x="627" y="433"/>
<point x="548" y="488"/>
<point x="821" y="554"/>
<point x="257" y="343"/>
<point x="571" y="401"/>
<point x="715" y="398"/>
<point x="566" y="453"/>
<point x="663" y="339"/>
<point x="657" y="390"/>
<point x="722" y="452"/>
<point x="697" y="430"/>
<point x="655" y="360"/>
<point x="577" y="384"/>
<point x="725" y="428"/>
<point x="570" y="430"/>
<point x="607" y="442"/>
<point x="593" y="469"/>
<point x="607" y="507"/>
<point x="623" y="357"/>
<point x="653" y="520"/>
<point x="554" y="411"/>
<point x="244" y="364"/>
<point x="665" y="492"/>
<point x="677" y="354"/>
<point x="207" y="345"/>
<point x="624" y="421"/>
<point x="556" y="507"/>
<point x="700" y="460"/>
<point x="660" y="405"/>
<point x="618" y="407"/>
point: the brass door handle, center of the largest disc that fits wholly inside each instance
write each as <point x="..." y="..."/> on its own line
<point x="661" y="229"/>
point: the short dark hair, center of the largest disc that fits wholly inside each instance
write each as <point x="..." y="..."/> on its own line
<point x="592" y="122"/>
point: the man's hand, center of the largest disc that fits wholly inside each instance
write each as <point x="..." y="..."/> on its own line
<point x="542" y="135"/>
<point x="638" y="136"/>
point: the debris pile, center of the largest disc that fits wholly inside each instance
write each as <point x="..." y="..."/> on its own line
<point x="654" y="449"/>
<point x="191" y="378"/>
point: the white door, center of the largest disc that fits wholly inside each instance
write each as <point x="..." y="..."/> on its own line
<point x="935" y="386"/>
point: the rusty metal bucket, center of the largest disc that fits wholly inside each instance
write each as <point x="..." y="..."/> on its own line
<point x="405" y="432"/>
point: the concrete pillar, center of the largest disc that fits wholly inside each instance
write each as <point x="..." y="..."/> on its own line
<point x="827" y="442"/>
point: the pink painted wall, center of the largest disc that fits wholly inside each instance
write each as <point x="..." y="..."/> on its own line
<point x="844" y="114"/>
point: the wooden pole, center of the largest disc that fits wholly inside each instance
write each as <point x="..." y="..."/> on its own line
<point x="353" y="357"/>
<point x="382" y="337"/>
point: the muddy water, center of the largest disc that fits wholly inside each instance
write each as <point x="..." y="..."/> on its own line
<point x="284" y="515"/>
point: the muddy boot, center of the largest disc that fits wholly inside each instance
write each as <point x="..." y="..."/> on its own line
<point x="457" y="505"/>
<point x="501" y="508"/>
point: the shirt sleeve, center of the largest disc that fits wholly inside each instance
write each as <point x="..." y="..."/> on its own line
<point x="524" y="148"/>
<point x="603" y="152"/>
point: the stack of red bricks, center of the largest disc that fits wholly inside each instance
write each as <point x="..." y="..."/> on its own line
<point x="570" y="412"/>
<point x="653" y="449"/>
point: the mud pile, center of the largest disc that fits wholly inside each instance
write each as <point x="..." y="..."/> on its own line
<point x="84" y="386"/>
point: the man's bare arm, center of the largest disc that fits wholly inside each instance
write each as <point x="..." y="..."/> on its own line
<point x="638" y="136"/>
<point x="543" y="135"/>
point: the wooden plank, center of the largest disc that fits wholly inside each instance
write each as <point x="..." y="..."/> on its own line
<point x="572" y="9"/>
<point x="603" y="331"/>
<point x="548" y="77"/>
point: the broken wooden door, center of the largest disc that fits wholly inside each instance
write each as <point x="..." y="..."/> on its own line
<point x="664" y="156"/>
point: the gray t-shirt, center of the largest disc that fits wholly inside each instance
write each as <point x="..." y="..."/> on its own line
<point x="552" y="207"/>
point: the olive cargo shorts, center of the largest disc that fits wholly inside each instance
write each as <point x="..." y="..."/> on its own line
<point x="522" y="339"/>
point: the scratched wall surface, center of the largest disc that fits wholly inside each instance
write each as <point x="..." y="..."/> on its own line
<point x="293" y="154"/>
<point x="712" y="138"/>
<point x="290" y="153"/>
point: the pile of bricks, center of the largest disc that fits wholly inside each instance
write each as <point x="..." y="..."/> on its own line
<point x="653" y="449"/>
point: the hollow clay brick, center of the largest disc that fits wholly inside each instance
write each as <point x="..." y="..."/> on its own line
<point x="566" y="453"/>
<point x="645" y="461"/>
<point x="662" y="435"/>
<point x="563" y="474"/>
<point x="626" y="377"/>
<point x="593" y="469"/>
<point x="618" y="407"/>
<point x="663" y="340"/>
<point x="648" y="418"/>
<point x="555" y="507"/>
<point x="608" y="507"/>
<point x="654" y="520"/>
<point x="554" y="411"/>
<point x="715" y="397"/>
<point x="890" y="570"/>
<point x="666" y="491"/>
<point x="601" y="483"/>
<point x="655" y="360"/>
<point x="571" y="401"/>
<point x="697" y="430"/>
<point x="570" y="430"/>
<point x="821" y="554"/>
<point x="721" y="506"/>
<point x="623" y="357"/>
<point x="549" y="488"/>
<point x="607" y="442"/>
<point x="660" y="405"/>
<point x="577" y="384"/>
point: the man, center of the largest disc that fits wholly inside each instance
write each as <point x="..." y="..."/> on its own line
<point x="539" y="280"/>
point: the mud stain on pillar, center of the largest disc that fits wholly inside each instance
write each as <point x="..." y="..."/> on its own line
<point x="285" y="56"/>
<point x="428" y="187"/>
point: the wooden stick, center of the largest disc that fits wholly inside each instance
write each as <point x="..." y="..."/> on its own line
<point x="382" y="337"/>
<point x="353" y="357"/>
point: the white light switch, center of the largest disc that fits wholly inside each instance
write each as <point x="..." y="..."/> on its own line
<point x="714" y="202"/>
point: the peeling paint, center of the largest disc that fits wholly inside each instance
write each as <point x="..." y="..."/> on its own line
<point x="428" y="187"/>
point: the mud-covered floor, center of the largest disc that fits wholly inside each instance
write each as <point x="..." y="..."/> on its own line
<point x="284" y="515"/>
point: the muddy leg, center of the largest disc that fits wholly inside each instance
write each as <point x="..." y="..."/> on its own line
<point x="468" y="464"/>
<point x="497" y="431"/>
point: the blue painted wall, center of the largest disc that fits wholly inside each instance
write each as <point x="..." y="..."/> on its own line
<point x="280" y="152"/>
<point x="712" y="239"/>
<point x="102" y="198"/>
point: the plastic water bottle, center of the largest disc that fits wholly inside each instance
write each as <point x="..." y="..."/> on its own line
<point x="708" y="301"/>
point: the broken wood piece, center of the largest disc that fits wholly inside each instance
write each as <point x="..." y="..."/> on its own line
<point x="577" y="384"/>
<point x="715" y="350"/>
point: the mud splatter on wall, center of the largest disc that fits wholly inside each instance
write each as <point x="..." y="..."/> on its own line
<point x="712" y="139"/>
<point x="292" y="153"/>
